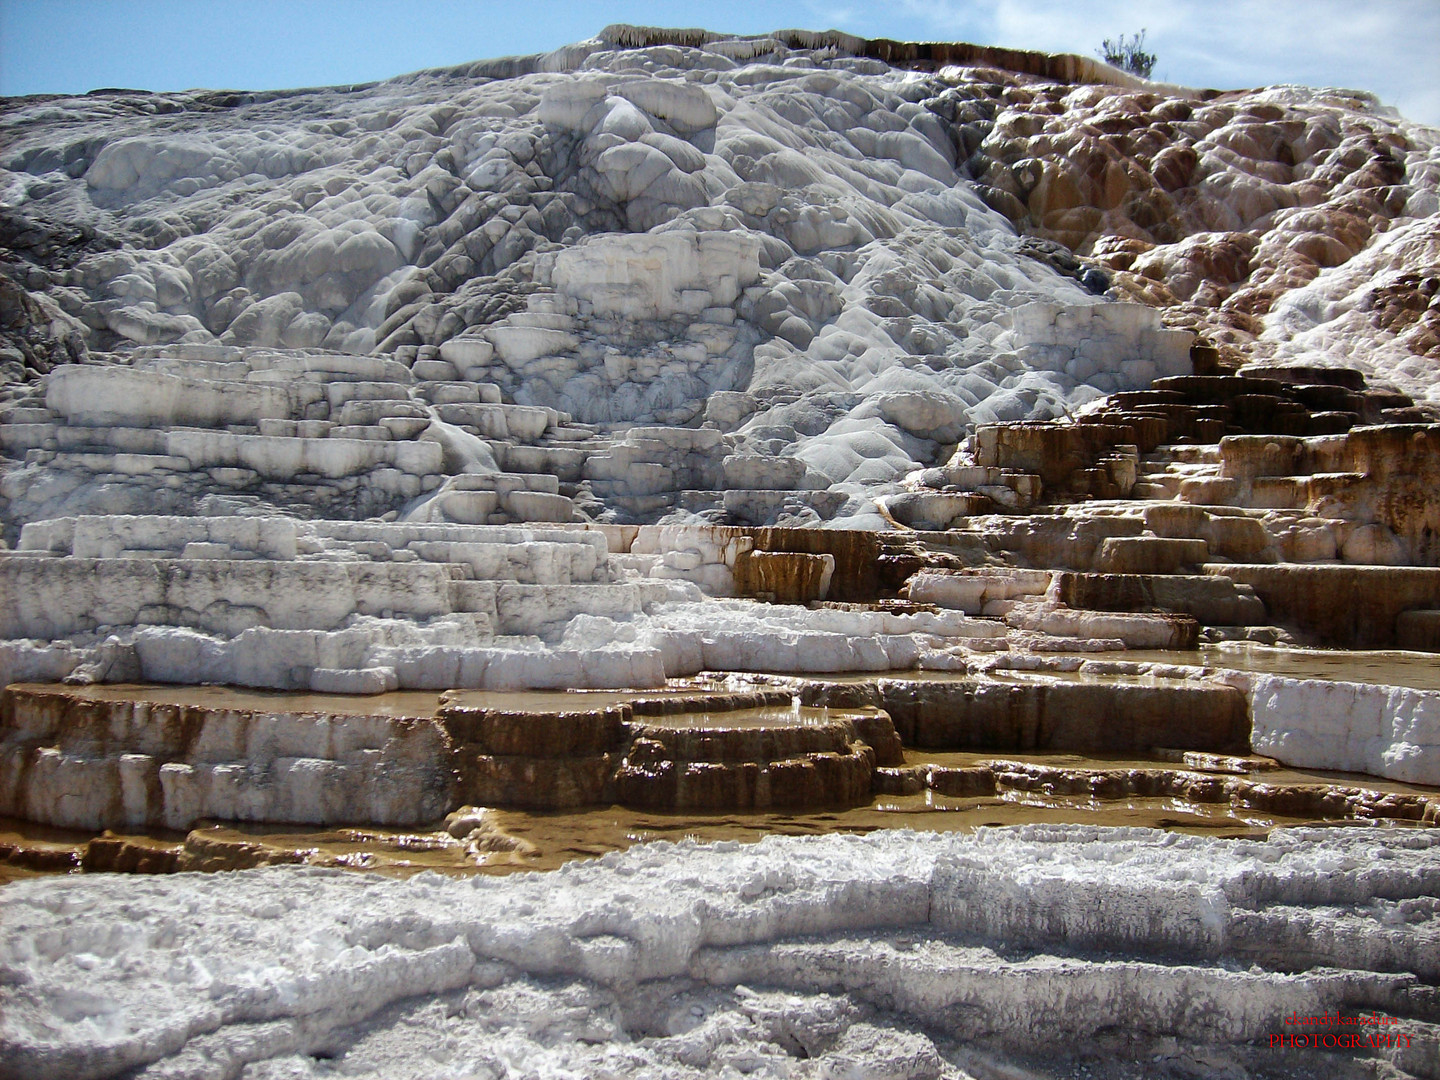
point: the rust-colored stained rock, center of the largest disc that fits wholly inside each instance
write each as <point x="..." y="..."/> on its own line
<point x="205" y="852"/>
<point x="43" y="857"/>
<point x="835" y="779"/>
<point x="757" y="738"/>
<point x="717" y="702"/>
<point x="535" y="734"/>
<point x="898" y="780"/>
<point x="1076" y="717"/>
<point x="126" y="855"/>
<point x="59" y="741"/>
<point x="1051" y="451"/>
<point x="783" y="577"/>
<point x="545" y="783"/>
<point x="92" y="759"/>
<point x="1406" y="306"/>
<point x="877" y="730"/>
<point x="806" y="781"/>
<point x="855" y="553"/>
<point x="961" y="782"/>
<point x="1213" y="208"/>
<point x="1351" y="607"/>
<point x="1418" y="629"/>
<point x="750" y="761"/>
<point x="1149" y="555"/>
<point x="1214" y="601"/>
<point x="1325" y="801"/>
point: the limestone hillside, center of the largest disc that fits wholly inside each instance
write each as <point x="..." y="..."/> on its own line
<point x="841" y="253"/>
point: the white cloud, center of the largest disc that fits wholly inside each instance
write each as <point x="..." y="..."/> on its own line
<point x="823" y="16"/>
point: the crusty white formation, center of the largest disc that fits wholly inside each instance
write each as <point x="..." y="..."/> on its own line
<point x="366" y="607"/>
<point x="785" y="243"/>
<point x="506" y="313"/>
<point x="1389" y="731"/>
<point x="812" y="251"/>
<point x="370" y="606"/>
<point x="868" y="955"/>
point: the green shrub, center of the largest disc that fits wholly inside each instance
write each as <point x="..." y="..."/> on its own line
<point x="1128" y="54"/>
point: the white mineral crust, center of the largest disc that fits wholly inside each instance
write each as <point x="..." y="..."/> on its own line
<point x="1389" y="731"/>
<point x="896" y="954"/>
<point x="769" y="280"/>
<point x="615" y="236"/>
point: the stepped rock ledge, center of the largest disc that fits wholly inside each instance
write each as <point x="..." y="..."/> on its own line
<point x="702" y="425"/>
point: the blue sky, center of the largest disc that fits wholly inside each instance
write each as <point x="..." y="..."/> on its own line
<point x="1388" y="47"/>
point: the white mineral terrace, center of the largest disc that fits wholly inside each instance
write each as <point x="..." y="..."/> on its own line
<point x="677" y="435"/>
<point x="898" y="955"/>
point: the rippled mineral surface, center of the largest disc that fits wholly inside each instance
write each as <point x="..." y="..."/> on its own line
<point x="880" y="432"/>
<point x="811" y="248"/>
<point x="1030" y="951"/>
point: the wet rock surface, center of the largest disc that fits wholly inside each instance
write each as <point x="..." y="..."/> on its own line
<point x="147" y="758"/>
<point x="154" y="758"/>
<point x="130" y="762"/>
<point x="1191" y="792"/>
<point x="593" y="339"/>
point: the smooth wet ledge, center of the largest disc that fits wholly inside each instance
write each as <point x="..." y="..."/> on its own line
<point x="168" y="757"/>
<point x="78" y="758"/>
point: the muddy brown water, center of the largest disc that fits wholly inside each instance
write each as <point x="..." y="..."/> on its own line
<point x="544" y="841"/>
<point x="1386" y="667"/>
<point x="522" y="840"/>
<point x="396" y="703"/>
<point x="547" y="840"/>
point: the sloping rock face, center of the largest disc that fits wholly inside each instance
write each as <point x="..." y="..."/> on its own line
<point x="531" y="373"/>
<point x="1285" y="222"/>
<point x="786" y="238"/>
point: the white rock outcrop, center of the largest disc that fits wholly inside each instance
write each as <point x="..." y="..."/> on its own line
<point x="459" y="379"/>
<point x="655" y="276"/>
<point x="1391" y="731"/>
<point x="612" y="244"/>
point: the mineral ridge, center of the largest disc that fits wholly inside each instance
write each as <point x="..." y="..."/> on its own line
<point x="907" y="955"/>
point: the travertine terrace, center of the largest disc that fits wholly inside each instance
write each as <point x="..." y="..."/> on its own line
<point x="713" y="424"/>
